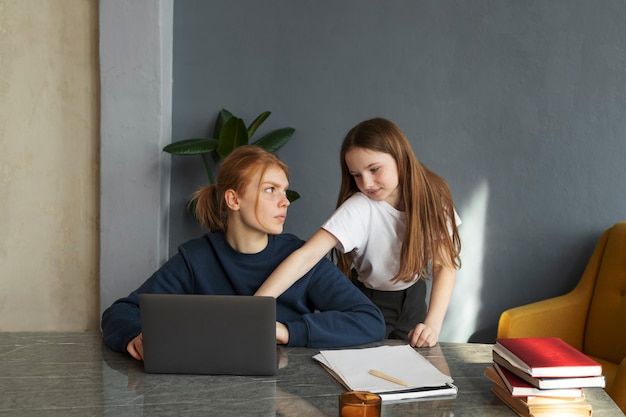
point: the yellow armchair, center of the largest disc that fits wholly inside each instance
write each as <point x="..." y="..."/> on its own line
<point x="591" y="317"/>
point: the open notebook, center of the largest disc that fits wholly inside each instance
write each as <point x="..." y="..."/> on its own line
<point x="416" y="377"/>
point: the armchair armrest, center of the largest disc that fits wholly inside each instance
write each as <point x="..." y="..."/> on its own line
<point x="563" y="316"/>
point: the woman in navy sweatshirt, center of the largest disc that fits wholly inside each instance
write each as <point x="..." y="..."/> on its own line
<point x="245" y="211"/>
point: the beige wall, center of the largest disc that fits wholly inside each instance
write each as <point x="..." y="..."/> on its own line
<point x="49" y="183"/>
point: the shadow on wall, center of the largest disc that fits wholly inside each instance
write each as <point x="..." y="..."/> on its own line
<point x="479" y="298"/>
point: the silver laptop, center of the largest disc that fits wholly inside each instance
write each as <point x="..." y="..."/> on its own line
<point x="209" y="334"/>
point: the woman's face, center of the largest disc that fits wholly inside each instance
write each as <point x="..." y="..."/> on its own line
<point x="376" y="174"/>
<point x="263" y="204"/>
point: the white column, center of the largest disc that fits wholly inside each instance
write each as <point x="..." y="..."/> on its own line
<point x="136" y="100"/>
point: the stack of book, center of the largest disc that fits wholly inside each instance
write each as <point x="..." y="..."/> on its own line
<point x="543" y="376"/>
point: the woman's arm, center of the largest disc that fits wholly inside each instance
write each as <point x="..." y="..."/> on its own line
<point x="121" y="322"/>
<point x="296" y="265"/>
<point x="340" y="314"/>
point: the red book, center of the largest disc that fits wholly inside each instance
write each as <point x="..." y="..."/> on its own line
<point x="550" y="357"/>
<point x="551" y="383"/>
<point x="520" y="388"/>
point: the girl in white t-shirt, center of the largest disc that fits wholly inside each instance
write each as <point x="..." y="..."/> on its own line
<point x="395" y="226"/>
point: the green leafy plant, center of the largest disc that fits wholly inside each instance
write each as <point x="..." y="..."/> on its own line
<point x="229" y="133"/>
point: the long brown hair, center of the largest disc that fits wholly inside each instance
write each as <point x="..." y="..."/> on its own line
<point x="426" y="196"/>
<point x="235" y="173"/>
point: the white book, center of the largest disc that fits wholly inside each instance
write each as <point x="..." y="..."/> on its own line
<point x="416" y="376"/>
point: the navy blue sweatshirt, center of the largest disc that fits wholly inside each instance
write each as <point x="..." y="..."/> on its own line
<point x="322" y="309"/>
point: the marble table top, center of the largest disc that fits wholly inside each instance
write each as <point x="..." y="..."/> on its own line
<point x="74" y="374"/>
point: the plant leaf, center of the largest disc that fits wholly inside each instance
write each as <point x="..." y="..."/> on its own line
<point x="191" y="146"/>
<point x="257" y="122"/>
<point x="232" y="135"/>
<point x="292" y="195"/>
<point x="217" y="159"/>
<point x="276" y="139"/>
<point x="207" y="169"/>
<point x="222" y="118"/>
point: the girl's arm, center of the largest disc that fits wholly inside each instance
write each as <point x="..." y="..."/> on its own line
<point x="337" y="313"/>
<point x="427" y="334"/>
<point x="296" y="265"/>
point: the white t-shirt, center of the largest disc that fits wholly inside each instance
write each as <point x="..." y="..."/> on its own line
<point x="374" y="230"/>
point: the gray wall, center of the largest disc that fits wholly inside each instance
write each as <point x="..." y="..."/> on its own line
<point x="519" y="105"/>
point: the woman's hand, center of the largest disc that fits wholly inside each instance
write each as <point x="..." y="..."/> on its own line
<point x="135" y="347"/>
<point x="423" y="336"/>
<point x="282" y="333"/>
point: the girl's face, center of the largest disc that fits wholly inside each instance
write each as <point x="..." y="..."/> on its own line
<point x="263" y="204"/>
<point x="376" y="175"/>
